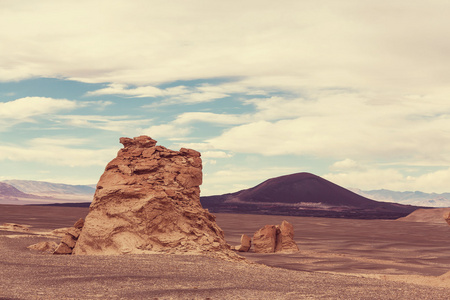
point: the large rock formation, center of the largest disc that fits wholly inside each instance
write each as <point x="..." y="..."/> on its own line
<point x="275" y="238"/>
<point x="148" y="200"/>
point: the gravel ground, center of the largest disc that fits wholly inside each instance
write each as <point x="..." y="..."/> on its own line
<point x="26" y="274"/>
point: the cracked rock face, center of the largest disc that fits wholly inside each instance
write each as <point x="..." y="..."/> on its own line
<point x="148" y="200"/>
<point x="275" y="238"/>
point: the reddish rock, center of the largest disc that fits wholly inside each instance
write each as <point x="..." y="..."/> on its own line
<point x="148" y="200"/>
<point x="264" y="240"/>
<point x="447" y="217"/>
<point x="285" y="238"/>
<point x="246" y="243"/>
<point x="63" y="249"/>
<point x="79" y="224"/>
<point x="69" y="240"/>
<point x="44" y="246"/>
<point x="271" y="238"/>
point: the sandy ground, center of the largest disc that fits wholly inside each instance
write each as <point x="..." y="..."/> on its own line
<point x="339" y="259"/>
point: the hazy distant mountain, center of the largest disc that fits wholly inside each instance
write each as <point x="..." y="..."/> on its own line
<point x="304" y="194"/>
<point x="11" y="195"/>
<point x="42" y="187"/>
<point x="9" y="191"/>
<point x="412" y="198"/>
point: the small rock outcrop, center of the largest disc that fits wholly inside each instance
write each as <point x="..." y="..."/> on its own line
<point x="264" y="240"/>
<point x="15" y="227"/>
<point x="275" y="238"/>
<point x="70" y="238"/>
<point x="285" y="238"/>
<point x="246" y="243"/>
<point x="447" y="217"/>
<point x="44" y="246"/>
<point x="147" y="201"/>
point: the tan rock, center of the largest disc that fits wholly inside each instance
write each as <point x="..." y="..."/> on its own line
<point x="69" y="240"/>
<point x="15" y="227"/>
<point x="148" y="200"/>
<point x="75" y="232"/>
<point x="264" y="240"/>
<point x="246" y="243"/>
<point x="60" y="231"/>
<point x="63" y="249"/>
<point x="271" y="238"/>
<point x="285" y="238"/>
<point x="79" y="224"/>
<point x="447" y="217"/>
<point x="44" y="246"/>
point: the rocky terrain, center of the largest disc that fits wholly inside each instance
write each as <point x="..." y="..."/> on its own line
<point x="304" y="194"/>
<point x="337" y="259"/>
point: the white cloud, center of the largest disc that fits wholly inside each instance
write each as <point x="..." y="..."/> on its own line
<point x="57" y="151"/>
<point x="338" y="125"/>
<point x="166" y="131"/>
<point x="296" y="44"/>
<point x="345" y="165"/>
<point x="29" y="108"/>
<point x="208" y="117"/>
<point x="216" y="154"/>
<point x="123" y="124"/>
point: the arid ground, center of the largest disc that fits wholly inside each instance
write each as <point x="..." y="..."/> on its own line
<point x="338" y="259"/>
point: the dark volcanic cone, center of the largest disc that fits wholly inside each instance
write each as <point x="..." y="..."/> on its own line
<point x="304" y="194"/>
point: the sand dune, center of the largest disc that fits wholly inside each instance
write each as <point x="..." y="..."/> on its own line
<point x="338" y="259"/>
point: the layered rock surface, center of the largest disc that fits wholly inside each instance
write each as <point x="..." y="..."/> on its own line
<point x="148" y="200"/>
<point x="275" y="238"/>
<point x="70" y="238"/>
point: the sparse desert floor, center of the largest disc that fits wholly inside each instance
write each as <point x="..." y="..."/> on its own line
<point x="338" y="259"/>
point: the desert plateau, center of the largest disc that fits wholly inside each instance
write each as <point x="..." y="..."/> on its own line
<point x="338" y="259"/>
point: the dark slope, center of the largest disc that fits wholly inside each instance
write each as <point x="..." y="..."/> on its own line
<point x="304" y="194"/>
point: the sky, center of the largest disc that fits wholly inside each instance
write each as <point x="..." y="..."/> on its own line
<point x="354" y="91"/>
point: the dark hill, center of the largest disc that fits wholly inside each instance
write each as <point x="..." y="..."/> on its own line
<point x="304" y="194"/>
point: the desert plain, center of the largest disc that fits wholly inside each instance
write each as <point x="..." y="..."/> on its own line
<point x="338" y="259"/>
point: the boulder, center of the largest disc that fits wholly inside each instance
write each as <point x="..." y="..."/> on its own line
<point x="44" y="246"/>
<point x="147" y="201"/>
<point x="275" y="238"/>
<point x="246" y="243"/>
<point x="285" y="238"/>
<point x="264" y="240"/>
<point x="63" y="249"/>
<point x="70" y="238"/>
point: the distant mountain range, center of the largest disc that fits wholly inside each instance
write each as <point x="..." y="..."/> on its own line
<point x="304" y="194"/>
<point x="29" y="191"/>
<point x="41" y="192"/>
<point x="412" y="198"/>
<point x="42" y="187"/>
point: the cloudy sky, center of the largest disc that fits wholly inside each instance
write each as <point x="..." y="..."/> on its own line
<point x="355" y="91"/>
